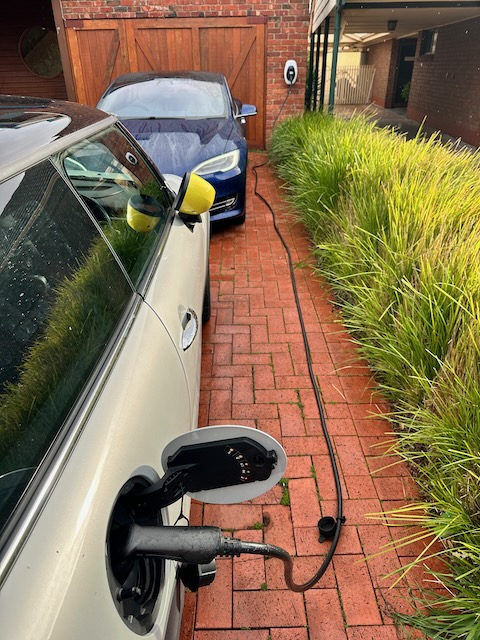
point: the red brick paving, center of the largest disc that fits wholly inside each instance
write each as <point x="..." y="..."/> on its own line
<point x="254" y="373"/>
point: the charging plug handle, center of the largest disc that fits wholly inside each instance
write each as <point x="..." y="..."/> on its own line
<point x="193" y="545"/>
<point x="200" y="545"/>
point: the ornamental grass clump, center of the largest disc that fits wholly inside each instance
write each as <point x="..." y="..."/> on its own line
<point x="396" y="230"/>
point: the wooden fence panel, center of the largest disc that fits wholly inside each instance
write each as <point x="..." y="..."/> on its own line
<point x="161" y="47"/>
<point x="99" y="54"/>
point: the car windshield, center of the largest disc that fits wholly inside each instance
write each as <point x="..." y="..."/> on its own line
<point x="167" y="98"/>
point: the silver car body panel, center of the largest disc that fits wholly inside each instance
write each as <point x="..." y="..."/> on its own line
<point x="60" y="576"/>
<point x="54" y="568"/>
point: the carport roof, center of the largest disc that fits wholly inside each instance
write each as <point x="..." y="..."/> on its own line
<point x="364" y="22"/>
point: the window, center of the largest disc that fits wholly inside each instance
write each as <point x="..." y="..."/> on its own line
<point x="108" y="172"/>
<point x="62" y="294"/>
<point x="39" y="51"/>
<point x="428" y="42"/>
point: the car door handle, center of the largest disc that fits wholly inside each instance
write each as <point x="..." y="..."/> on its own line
<point x="190" y="328"/>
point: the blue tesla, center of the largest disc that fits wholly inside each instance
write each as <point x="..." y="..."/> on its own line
<point x="188" y="121"/>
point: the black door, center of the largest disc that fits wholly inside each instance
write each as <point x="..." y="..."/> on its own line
<point x="406" y="55"/>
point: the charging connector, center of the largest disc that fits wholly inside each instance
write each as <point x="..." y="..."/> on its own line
<point x="200" y="546"/>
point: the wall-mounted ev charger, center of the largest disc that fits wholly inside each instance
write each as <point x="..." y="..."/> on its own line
<point x="290" y="72"/>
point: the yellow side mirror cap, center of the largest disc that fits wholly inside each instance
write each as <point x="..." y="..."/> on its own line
<point x="195" y="195"/>
<point x="144" y="213"/>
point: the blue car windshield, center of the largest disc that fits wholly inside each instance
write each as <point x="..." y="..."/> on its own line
<point x="167" y="98"/>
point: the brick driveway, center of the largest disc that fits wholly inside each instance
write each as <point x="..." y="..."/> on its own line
<point x="254" y="373"/>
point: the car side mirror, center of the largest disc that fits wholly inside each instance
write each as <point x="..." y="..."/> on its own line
<point x="248" y="110"/>
<point x="195" y="195"/>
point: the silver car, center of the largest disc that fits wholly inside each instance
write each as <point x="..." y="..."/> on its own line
<point x="103" y="282"/>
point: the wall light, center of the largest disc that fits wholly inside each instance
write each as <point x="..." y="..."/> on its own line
<point x="392" y="25"/>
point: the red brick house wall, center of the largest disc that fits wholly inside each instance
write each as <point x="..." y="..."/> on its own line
<point x="446" y="85"/>
<point x="287" y="35"/>
<point x="384" y="57"/>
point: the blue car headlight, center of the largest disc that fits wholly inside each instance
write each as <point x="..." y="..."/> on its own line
<point x="223" y="163"/>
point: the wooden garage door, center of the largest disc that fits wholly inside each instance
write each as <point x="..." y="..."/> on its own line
<point x="101" y="50"/>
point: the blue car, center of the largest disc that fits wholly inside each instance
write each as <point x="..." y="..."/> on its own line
<point x="188" y="121"/>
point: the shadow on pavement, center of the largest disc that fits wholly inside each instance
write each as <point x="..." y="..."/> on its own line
<point x="397" y="120"/>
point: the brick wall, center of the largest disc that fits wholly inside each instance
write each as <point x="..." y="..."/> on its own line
<point x="446" y="85"/>
<point x="384" y="57"/>
<point x="287" y="33"/>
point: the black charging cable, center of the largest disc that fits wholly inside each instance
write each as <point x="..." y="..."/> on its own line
<point x="328" y="526"/>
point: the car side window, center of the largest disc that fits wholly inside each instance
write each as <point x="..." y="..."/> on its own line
<point x="116" y="183"/>
<point x="62" y="295"/>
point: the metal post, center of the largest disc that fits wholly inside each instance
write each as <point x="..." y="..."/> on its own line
<point x="308" y="92"/>
<point x="336" y="46"/>
<point x="326" y="32"/>
<point x="317" y="58"/>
